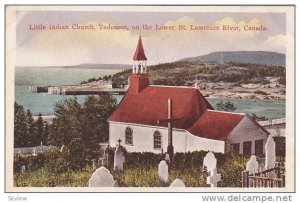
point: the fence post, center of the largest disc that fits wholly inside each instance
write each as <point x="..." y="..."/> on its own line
<point x="277" y="167"/>
<point x="245" y="178"/>
<point x="282" y="181"/>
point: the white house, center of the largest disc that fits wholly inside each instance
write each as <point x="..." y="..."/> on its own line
<point x="197" y="126"/>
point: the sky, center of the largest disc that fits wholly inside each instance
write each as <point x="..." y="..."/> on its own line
<point x="73" y="47"/>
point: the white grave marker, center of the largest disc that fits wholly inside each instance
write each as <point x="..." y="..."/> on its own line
<point x="167" y="158"/>
<point x="214" y="178"/>
<point x="210" y="162"/>
<point x="94" y="163"/>
<point x="34" y="152"/>
<point x="163" y="172"/>
<point x="101" y="178"/>
<point x="63" y="147"/>
<point x="119" y="159"/>
<point x="252" y="165"/>
<point x="177" y="183"/>
<point x="270" y="153"/>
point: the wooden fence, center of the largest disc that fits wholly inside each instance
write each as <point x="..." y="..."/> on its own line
<point x="274" y="177"/>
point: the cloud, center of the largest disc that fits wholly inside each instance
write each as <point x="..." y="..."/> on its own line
<point x="71" y="47"/>
<point x="277" y="42"/>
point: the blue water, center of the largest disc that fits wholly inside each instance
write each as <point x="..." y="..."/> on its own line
<point x="44" y="103"/>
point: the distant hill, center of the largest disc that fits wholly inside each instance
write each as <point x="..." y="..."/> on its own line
<point x="88" y="66"/>
<point x="254" y="57"/>
<point x="100" y="66"/>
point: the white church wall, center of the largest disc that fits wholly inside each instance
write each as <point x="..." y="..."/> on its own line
<point x="143" y="139"/>
<point x="183" y="141"/>
<point x="245" y="131"/>
<point x="195" y="143"/>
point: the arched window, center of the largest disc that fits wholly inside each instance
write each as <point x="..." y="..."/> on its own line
<point x="128" y="136"/>
<point x="157" y="140"/>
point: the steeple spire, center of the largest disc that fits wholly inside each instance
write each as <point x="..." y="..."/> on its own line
<point x="139" y="59"/>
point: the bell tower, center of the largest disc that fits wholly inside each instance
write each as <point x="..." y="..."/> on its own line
<point x="139" y="79"/>
<point x="139" y="59"/>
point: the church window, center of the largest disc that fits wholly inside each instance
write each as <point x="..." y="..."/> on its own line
<point x="259" y="147"/>
<point x="247" y="147"/>
<point x="128" y="136"/>
<point x="157" y="140"/>
<point x="235" y="147"/>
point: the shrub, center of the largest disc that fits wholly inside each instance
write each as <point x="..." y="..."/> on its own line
<point x="280" y="145"/>
<point x="260" y="92"/>
<point x="30" y="162"/>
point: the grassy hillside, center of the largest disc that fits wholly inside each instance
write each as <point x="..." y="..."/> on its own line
<point x="187" y="72"/>
<point x="258" y="57"/>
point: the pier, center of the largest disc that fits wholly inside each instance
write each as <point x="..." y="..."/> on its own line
<point x="77" y="90"/>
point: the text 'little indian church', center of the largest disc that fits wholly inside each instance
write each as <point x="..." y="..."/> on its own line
<point x="150" y="118"/>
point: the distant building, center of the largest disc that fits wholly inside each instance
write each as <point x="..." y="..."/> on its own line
<point x="275" y="127"/>
<point x="197" y="126"/>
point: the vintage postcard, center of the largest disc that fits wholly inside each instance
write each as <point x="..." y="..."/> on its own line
<point x="150" y="99"/>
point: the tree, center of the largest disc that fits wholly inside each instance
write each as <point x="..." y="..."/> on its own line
<point x="81" y="128"/>
<point x="46" y="134"/>
<point x="227" y="106"/>
<point x="40" y="130"/>
<point x="32" y="139"/>
<point x="257" y="117"/>
<point x="20" y="126"/>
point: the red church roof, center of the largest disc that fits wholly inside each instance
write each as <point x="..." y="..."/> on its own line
<point x="151" y="104"/>
<point x="215" y="125"/>
<point x="139" y="54"/>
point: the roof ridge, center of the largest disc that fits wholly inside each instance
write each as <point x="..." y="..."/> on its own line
<point x="183" y="87"/>
<point x="226" y="112"/>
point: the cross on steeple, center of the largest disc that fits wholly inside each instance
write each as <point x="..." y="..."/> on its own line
<point x="170" y="120"/>
<point x="119" y="141"/>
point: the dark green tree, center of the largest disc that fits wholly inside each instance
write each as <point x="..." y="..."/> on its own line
<point x="32" y="131"/>
<point x="227" y="106"/>
<point x="46" y="134"/>
<point x="20" y="126"/>
<point x="81" y="128"/>
<point x="39" y="124"/>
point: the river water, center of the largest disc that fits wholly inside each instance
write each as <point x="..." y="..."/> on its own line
<point x="44" y="103"/>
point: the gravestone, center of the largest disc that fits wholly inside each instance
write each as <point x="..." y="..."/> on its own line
<point x="210" y="162"/>
<point x="270" y="153"/>
<point x="119" y="158"/>
<point x="163" y="172"/>
<point x="177" y="183"/>
<point x="63" y="147"/>
<point x="34" y="152"/>
<point x="167" y="158"/>
<point x="214" y="178"/>
<point x="252" y="165"/>
<point x="23" y="168"/>
<point x="94" y="163"/>
<point x="101" y="178"/>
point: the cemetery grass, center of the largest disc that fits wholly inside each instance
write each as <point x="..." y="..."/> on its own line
<point x="44" y="177"/>
<point x="134" y="177"/>
<point x="139" y="174"/>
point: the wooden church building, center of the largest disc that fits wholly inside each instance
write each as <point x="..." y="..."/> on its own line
<point x="148" y="114"/>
